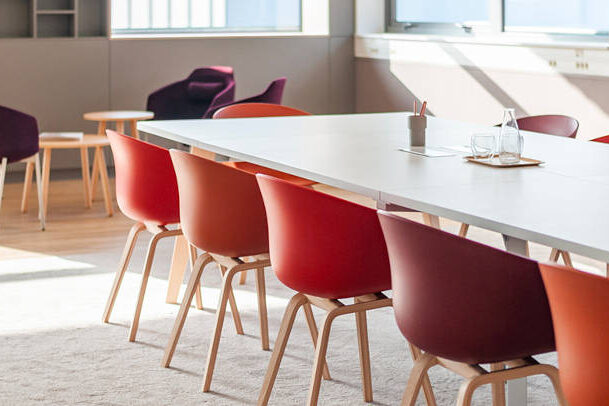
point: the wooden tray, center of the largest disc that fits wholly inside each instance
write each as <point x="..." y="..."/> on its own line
<point x="497" y="164"/>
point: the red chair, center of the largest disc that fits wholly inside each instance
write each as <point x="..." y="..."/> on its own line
<point x="604" y="139"/>
<point x="222" y="213"/>
<point x="147" y="193"/>
<point x="251" y="110"/>
<point x="580" y="305"/>
<point x="466" y="304"/>
<point x="326" y="249"/>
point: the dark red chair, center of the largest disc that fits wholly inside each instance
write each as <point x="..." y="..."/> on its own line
<point x="272" y="95"/>
<point x="326" y="249"/>
<point x="147" y="193"/>
<point x="580" y="309"/>
<point x="222" y="213"/>
<point x="466" y="304"/>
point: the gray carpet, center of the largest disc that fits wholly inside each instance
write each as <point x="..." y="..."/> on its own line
<point x="55" y="351"/>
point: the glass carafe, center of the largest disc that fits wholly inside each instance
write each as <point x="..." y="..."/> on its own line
<point x="510" y="140"/>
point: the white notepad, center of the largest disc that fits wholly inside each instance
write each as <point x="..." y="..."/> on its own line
<point x="62" y="136"/>
<point x="427" y="151"/>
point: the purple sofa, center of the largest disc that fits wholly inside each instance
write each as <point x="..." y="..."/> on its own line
<point x="192" y="97"/>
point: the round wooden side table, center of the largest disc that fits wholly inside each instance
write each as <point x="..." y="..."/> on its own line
<point x="120" y="118"/>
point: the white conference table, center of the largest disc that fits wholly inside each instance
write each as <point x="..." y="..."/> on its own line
<point x="560" y="204"/>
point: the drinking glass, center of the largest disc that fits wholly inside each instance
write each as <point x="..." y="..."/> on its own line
<point x="483" y="146"/>
<point x="510" y="140"/>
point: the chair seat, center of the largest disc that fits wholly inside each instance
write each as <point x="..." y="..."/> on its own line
<point x="254" y="169"/>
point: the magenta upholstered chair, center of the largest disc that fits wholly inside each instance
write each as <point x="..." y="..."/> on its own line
<point x="561" y="126"/>
<point x="192" y="97"/>
<point x="19" y="143"/>
<point x="272" y="95"/>
<point x="466" y="304"/>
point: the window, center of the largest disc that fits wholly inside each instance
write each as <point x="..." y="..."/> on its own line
<point x="559" y="16"/>
<point x="565" y="17"/>
<point x="192" y="16"/>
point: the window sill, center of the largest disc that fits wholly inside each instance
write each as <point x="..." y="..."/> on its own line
<point x="507" y="39"/>
<point x="271" y="34"/>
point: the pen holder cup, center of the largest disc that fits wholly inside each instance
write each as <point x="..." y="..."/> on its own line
<point x="416" y="127"/>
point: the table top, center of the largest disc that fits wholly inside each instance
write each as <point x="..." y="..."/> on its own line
<point x="88" y="141"/>
<point x="560" y="204"/>
<point x="118" y="115"/>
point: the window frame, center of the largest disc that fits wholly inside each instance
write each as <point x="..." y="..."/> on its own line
<point x="496" y="27"/>
<point x="199" y="30"/>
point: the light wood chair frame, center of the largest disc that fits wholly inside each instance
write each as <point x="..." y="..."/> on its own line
<point x="229" y="268"/>
<point x="334" y="308"/>
<point x="476" y="376"/>
<point x="158" y="233"/>
<point x="32" y="165"/>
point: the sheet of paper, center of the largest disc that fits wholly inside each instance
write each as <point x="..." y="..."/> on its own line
<point x="427" y="151"/>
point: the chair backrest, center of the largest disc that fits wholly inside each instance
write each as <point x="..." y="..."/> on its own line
<point x="322" y="245"/>
<point x="146" y="186"/>
<point x="18" y="135"/>
<point x="221" y="208"/>
<point x="465" y="301"/>
<point x="562" y="126"/>
<point x="191" y="98"/>
<point x="248" y="110"/>
<point x="603" y="139"/>
<point x="272" y="95"/>
<point x="580" y="311"/>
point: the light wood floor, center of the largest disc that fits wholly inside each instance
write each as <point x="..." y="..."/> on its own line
<point x="74" y="229"/>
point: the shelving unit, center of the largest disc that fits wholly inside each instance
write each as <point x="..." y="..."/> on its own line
<point x="53" y="18"/>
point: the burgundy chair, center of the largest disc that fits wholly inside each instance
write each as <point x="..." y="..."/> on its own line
<point x="19" y="143"/>
<point x="466" y="304"/>
<point x="326" y="249"/>
<point x="272" y="95"/>
<point x="192" y="97"/>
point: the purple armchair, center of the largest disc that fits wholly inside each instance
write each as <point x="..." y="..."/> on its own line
<point x="272" y="95"/>
<point x="19" y="143"/>
<point x="192" y="97"/>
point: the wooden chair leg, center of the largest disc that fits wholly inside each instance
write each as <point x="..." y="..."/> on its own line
<point x="463" y="230"/>
<point x="416" y="353"/>
<point x="262" y="310"/>
<point x="225" y="296"/>
<point x="243" y="278"/>
<point x="134" y="132"/>
<point x="282" y="339"/>
<point x="466" y="392"/>
<point x="552" y="373"/>
<point x="314" y="333"/>
<point x="122" y="267"/>
<point x="27" y="185"/>
<point x="193" y="283"/>
<point x="498" y="388"/>
<point x="94" y="177"/>
<point x="86" y="181"/>
<point x="193" y="259"/>
<point x="431" y="220"/>
<point x="179" y="262"/>
<point x="364" y="353"/>
<point x="567" y="258"/>
<point x="417" y="376"/>
<point x="320" y="357"/>
<point x="40" y="193"/>
<point x="554" y="255"/>
<point x="145" y="275"/>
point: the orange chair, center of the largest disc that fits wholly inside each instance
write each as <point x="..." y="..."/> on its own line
<point x="147" y="192"/>
<point x="252" y="110"/>
<point x="222" y="213"/>
<point x="580" y="307"/>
